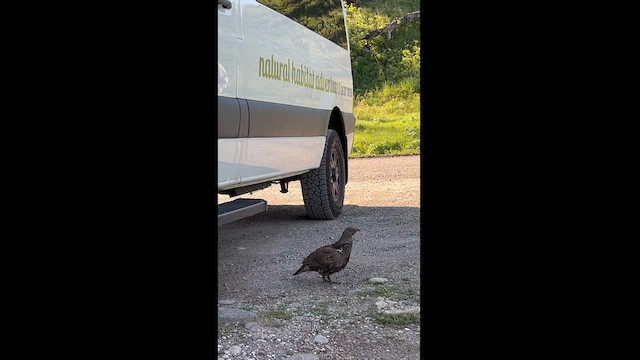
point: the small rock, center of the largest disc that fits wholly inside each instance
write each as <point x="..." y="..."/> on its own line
<point x="235" y="350"/>
<point x="378" y="280"/>
<point x="304" y="357"/>
<point x="381" y="303"/>
<point x="226" y="302"/>
<point x="232" y="315"/>
<point x="252" y="325"/>
<point x="242" y="248"/>
<point x="320" y="339"/>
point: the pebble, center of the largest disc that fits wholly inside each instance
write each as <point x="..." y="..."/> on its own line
<point x="252" y="325"/>
<point x="226" y="302"/>
<point x="320" y="339"/>
<point x="378" y="280"/>
<point x="304" y="357"/>
<point x="235" y="350"/>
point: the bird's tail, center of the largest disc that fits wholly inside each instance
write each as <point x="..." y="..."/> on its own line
<point x="303" y="268"/>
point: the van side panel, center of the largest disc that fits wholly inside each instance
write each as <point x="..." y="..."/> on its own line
<point x="260" y="160"/>
<point x="281" y="61"/>
<point x="228" y="117"/>
<point x="278" y="120"/>
<point x="288" y="79"/>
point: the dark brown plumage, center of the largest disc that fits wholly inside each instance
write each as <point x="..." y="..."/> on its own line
<point x="330" y="259"/>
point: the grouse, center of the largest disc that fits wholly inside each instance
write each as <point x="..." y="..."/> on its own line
<point x="330" y="259"/>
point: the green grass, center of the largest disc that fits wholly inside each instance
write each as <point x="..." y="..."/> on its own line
<point x="275" y="318"/>
<point x="387" y="122"/>
<point x="321" y="310"/>
<point x="393" y="293"/>
<point x="392" y="9"/>
<point x="396" y="320"/>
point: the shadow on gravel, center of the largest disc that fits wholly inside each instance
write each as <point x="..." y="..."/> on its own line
<point x="296" y="213"/>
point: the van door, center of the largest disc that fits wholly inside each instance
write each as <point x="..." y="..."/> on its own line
<point x="228" y="105"/>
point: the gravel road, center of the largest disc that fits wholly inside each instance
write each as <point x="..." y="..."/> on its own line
<point x="300" y="317"/>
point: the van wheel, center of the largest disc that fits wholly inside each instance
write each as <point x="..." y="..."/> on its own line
<point x="323" y="188"/>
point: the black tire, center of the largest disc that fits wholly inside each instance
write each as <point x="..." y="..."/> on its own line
<point x="323" y="188"/>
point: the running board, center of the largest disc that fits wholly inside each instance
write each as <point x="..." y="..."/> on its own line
<point x="239" y="209"/>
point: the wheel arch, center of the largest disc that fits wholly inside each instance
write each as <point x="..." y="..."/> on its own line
<point x="336" y="122"/>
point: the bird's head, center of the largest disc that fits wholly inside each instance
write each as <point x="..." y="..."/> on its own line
<point x="351" y="230"/>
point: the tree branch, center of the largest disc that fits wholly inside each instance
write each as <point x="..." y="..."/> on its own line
<point x="392" y="26"/>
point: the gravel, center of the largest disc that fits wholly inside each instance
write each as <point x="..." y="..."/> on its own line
<point x="300" y="317"/>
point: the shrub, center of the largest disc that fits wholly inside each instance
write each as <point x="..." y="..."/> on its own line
<point x="413" y="145"/>
<point x="384" y="147"/>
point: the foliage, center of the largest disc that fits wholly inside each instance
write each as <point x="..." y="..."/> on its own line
<point x="386" y="79"/>
<point x="378" y="61"/>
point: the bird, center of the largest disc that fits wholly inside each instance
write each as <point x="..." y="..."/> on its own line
<point x="330" y="259"/>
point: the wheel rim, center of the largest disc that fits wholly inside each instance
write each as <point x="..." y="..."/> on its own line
<point x="334" y="177"/>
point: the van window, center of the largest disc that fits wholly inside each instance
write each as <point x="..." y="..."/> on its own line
<point x="324" y="17"/>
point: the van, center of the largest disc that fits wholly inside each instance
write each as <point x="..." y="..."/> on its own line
<point x="285" y="103"/>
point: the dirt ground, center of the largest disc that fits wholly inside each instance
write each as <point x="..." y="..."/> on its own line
<point x="258" y="255"/>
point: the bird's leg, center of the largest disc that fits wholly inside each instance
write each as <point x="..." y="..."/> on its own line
<point x="330" y="282"/>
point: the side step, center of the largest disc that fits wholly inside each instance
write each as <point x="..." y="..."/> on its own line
<point x="239" y="209"/>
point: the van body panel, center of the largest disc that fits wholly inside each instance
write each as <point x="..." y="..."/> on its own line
<point x="282" y="61"/>
<point x="278" y="85"/>
<point x="271" y="119"/>
<point x="260" y="160"/>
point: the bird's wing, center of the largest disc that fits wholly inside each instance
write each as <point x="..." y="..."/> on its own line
<point x="332" y="258"/>
<point x="315" y="256"/>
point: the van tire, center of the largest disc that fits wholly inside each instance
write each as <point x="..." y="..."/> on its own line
<point x="323" y="188"/>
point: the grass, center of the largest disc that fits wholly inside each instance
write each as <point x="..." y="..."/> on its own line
<point x="223" y="328"/>
<point x="393" y="293"/>
<point x="387" y="122"/>
<point x="321" y="310"/>
<point x="396" y="320"/>
<point x="392" y="9"/>
<point x="274" y="318"/>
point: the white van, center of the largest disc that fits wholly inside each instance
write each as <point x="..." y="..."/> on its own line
<point x="285" y="102"/>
